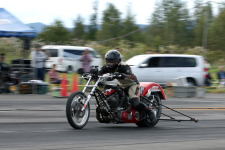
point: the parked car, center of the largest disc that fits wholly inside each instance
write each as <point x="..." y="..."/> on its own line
<point x="66" y="58"/>
<point x="163" y="68"/>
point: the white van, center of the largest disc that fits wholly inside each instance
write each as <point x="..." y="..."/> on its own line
<point x="163" y="68"/>
<point x="66" y="58"/>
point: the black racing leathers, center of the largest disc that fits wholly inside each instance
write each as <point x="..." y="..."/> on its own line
<point x="129" y="80"/>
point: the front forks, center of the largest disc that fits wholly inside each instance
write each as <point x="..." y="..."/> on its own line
<point x="91" y="93"/>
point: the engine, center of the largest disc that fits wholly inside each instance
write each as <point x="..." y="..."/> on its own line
<point x="116" y="109"/>
<point x="113" y="101"/>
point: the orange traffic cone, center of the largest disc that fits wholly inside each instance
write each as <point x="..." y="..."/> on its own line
<point x="63" y="88"/>
<point x="74" y="84"/>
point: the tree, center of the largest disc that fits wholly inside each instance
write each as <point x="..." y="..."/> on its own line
<point x="55" y="33"/>
<point x="92" y="28"/>
<point x="203" y="18"/>
<point x="130" y="30"/>
<point x="111" y="24"/>
<point x="78" y="31"/>
<point x="170" y="23"/>
<point x="154" y="33"/>
<point x="176" y="17"/>
<point x="217" y="32"/>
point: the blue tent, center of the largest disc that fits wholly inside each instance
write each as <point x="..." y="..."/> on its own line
<point x="10" y="26"/>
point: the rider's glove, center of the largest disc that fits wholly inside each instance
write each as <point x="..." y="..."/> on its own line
<point x="85" y="75"/>
<point x="119" y="75"/>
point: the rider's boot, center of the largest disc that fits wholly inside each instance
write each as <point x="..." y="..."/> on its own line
<point x="148" y="111"/>
<point x="151" y="114"/>
<point x="141" y="107"/>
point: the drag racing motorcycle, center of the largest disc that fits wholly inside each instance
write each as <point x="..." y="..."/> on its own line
<point x="112" y="102"/>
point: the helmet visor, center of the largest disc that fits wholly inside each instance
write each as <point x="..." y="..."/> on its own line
<point x="111" y="62"/>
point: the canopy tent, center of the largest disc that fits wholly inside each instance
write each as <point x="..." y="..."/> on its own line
<point x="10" y="26"/>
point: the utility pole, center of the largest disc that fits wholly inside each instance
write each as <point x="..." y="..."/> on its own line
<point x="205" y="32"/>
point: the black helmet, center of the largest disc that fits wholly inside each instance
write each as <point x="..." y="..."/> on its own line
<point x="112" y="58"/>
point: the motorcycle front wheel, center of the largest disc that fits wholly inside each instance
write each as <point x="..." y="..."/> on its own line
<point x="75" y="116"/>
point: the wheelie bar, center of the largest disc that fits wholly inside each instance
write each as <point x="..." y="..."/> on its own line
<point x="172" y="118"/>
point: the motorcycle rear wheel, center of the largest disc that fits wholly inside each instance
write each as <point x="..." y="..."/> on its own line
<point x="156" y="108"/>
<point x="77" y="118"/>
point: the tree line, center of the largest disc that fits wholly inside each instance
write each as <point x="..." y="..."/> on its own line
<point x="172" y="27"/>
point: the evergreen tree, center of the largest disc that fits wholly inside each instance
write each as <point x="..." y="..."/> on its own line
<point x="111" y="24"/>
<point x="55" y="33"/>
<point x="78" y="31"/>
<point x="154" y="33"/>
<point x="130" y="29"/>
<point x="92" y="28"/>
<point x="203" y="18"/>
<point x="217" y="32"/>
<point x="170" y="24"/>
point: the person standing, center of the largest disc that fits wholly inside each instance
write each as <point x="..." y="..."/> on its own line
<point x="4" y="67"/>
<point x="156" y="51"/>
<point x="148" y="51"/>
<point x="221" y="76"/>
<point x="47" y="57"/>
<point x="37" y="62"/>
<point x="119" y="50"/>
<point x="86" y="60"/>
<point x="5" y="78"/>
<point x="208" y="77"/>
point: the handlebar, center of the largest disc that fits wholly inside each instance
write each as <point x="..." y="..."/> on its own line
<point x="88" y="75"/>
<point x="102" y="78"/>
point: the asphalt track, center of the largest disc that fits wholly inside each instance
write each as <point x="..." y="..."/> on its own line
<point x="39" y="122"/>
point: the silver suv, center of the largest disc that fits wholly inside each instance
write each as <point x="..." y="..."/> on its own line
<point x="163" y="68"/>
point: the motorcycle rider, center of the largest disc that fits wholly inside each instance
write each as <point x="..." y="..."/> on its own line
<point x="126" y="79"/>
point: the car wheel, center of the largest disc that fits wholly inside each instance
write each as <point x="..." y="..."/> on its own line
<point x="191" y="82"/>
<point x="70" y="69"/>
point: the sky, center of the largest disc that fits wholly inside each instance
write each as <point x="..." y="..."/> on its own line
<point x="46" y="11"/>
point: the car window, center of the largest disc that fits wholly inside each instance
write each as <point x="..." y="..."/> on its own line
<point x="189" y="62"/>
<point x="172" y="61"/>
<point x="92" y="54"/>
<point x="153" y="62"/>
<point x="52" y="52"/>
<point x="70" y="53"/>
<point x="178" y="62"/>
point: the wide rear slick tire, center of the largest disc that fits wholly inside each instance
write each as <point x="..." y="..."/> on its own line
<point x="157" y="109"/>
<point x="77" y="118"/>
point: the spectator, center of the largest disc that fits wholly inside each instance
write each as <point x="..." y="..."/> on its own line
<point x="166" y="52"/>
<point x="86" y="60"/>
<point x="47" y="56"/>
<point x="37" y="62"/>
<point x="5" y="78"/>
<point x="54" y="75"/>
<point x="119" y="50"/>
<point x="208" y="77"/>
<point x="4" y="67"/>
<point x="221" y="76"/>
<point x="156" y="51"/>
<point x="148" y="52"/>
